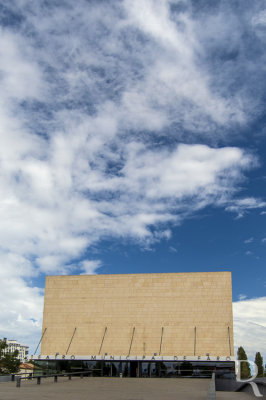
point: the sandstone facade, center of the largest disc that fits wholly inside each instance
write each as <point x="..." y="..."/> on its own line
<point x="139" y="314"/>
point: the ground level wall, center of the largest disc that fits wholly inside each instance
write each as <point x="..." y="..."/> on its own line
<point x="141" y="369"/>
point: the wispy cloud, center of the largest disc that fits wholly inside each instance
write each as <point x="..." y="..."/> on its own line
<point x="241" y="206"/>
<point x="249" y="240"/>
<point x="173" y="249"/>
<point x="242" y="297"/>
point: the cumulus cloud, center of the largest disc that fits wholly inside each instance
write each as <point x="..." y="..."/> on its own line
<point x="112" y="117"/>
<point x="90" y="266"/>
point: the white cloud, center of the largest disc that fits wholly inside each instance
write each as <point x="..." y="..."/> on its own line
<point x="90" y="267"/>
<point x="241" y="206"/>
<point x="260" y="18"/>
<point x="20" y="75"/>
<point x="21" y="310"/>
<point x="173" y="249"/>
<point x="249" y="240"/>
<point x="174" y="83"/>
<point x="250" y="326"/>
<point x="242" y="297"/>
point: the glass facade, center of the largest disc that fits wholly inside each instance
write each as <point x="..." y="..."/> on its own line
<point x="141" y="369"/>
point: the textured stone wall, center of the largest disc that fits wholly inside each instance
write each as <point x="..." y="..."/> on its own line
<point x="116" y="304"/>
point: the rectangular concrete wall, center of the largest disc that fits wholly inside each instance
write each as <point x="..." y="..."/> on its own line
<point x="194" y="310"/>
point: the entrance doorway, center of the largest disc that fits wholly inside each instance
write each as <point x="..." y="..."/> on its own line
<point x="134" y="372"/>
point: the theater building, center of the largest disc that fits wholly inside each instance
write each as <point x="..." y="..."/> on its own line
<point x="138" y="325"/>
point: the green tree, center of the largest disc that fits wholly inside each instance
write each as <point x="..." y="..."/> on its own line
<point x="9" y="363"/>
<point x="3" y="345"/>
<point x="244" y="366"/>
<point x="259" y="363"/>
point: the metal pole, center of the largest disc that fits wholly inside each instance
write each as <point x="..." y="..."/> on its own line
<point x="131" y="341"/>
<point x="161" y="342"/>
<point x="40" y="340"/>
<point x="71" y="340"/>
<point x="102" y="340"/>
<point x="195" y="339"/>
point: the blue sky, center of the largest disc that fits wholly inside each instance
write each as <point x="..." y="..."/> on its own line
<point x="132" y="140"/>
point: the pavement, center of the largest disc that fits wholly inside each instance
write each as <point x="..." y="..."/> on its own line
<point x="114" y="389"/>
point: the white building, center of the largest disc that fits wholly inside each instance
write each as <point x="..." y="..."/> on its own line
<point x="13" y="345"/>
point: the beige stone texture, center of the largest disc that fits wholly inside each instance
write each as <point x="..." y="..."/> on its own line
<point x="119" y="305"/>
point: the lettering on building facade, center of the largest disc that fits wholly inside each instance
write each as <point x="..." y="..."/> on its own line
<point x="131" y="358"/>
